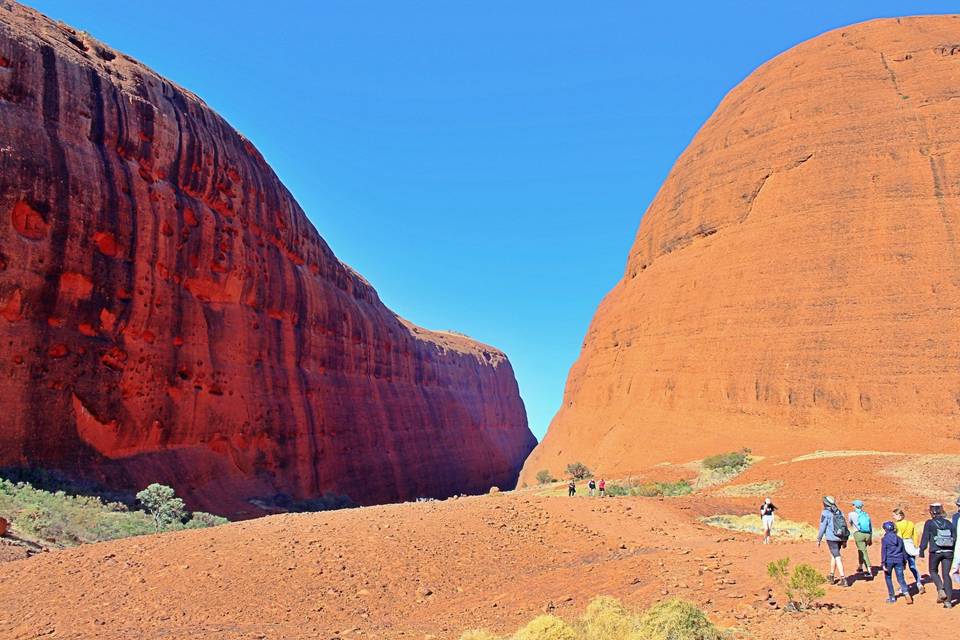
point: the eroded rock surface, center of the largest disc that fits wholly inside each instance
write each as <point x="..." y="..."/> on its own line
<point x="169" y="314"/>
<point x="795" y="283"/>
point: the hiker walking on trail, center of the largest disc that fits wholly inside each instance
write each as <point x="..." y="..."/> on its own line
<point x="893" y="555"/>
<point x="592" y="486"/>
<point x="862" y="530"/>
<point x="603" y="487"/>
<point x="572" y="488"/>
<point x="767" y="510"/>
<point x="956" y="516"/>
<point x="910" y="535"/>
<point x="833" y="528"/>
<point x="940" y="536"/>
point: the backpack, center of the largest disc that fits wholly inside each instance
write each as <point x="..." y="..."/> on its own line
<point x="943" y="537"/>
<point x="863" y="523"/>
<point x="840" y="528"/>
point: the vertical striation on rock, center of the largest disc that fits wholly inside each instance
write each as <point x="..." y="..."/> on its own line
<point x="169" y="314"/>
<point x="795" y="282"/>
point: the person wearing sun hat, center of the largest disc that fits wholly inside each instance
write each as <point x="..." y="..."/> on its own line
<point x="833" y="529"/>
<point x="862" y="530"/>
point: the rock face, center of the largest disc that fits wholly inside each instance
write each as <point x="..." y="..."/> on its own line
<point x="793" y="285"/>
<point x="168" y="313"/>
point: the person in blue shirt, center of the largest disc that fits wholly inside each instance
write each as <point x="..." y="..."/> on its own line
<point x="893" y="555"/>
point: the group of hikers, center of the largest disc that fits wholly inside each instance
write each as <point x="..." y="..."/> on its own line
<point x="902" y="543"/>
<point x="592" y="487"/>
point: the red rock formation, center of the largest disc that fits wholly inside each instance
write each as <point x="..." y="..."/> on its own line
<point x="793" y="285"/>
<point x="169" y="314"/>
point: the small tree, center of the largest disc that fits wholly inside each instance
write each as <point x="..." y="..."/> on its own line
<point x="544" y="477"/>
<point x="579" y="470"/>
<point x="162" y="503"/>
<point x="802" y="587"/>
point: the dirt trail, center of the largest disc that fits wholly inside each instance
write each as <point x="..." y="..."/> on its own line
<point x="436" y="569"/>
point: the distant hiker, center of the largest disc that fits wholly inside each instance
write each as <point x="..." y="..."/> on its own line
<point x="862" y="536"/>
<point x="572" y="488"/>
<point x="603" y="487"/>
<point x="592" y="486"/>
<point x="834" y="529"/>
<point x="956" y="516"/>
<point x="908" y="532"/>
<point x="892" y="557"/>
<point x="940" y="536"/>
<point x="767" y="510"/>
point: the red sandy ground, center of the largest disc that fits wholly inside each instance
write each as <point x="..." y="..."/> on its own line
<point x="436" y="569"/>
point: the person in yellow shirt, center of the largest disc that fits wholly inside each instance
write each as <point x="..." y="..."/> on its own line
<point x="908" y="531"/>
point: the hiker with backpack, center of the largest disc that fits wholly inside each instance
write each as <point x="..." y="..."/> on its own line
<point x="767" y="510"/>
<point x="572" y="488"/>
<point x="893" y="555"/>
<point x="833" y="529"/>
<point x="603" y="487"/>
<point x="908" y="532"/>
<point x="592" y="487"/>
<point x="862" y="529"/>
<point x="940" y="536"/>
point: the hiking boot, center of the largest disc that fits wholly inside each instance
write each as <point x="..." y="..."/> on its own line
<point x="941" y="595"/>
<point x="830" y="578"/>
<point x="948" y="605"/>
<point x="908" y="597"/>
<point x="841" y="582"/>
<point x="921" y="588"/>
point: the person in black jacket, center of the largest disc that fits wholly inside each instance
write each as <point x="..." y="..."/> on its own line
<point x="940" y="535"/>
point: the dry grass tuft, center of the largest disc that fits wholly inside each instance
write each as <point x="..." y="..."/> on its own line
<point x="752" y="524"/>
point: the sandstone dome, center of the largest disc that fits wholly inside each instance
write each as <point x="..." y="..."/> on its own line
<point x="169" y="314"/>
<point x="793" y="285"/>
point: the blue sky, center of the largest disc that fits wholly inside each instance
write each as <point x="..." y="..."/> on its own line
<point x="484" y="164"/>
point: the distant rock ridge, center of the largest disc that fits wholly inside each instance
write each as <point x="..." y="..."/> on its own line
<point x="168" y="313"/>
<point x="795" y="282"/>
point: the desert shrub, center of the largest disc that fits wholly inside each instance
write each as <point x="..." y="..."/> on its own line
<point x="802" y="587"/>
<point x="63" y="520"/>
<point x="606" y="619"/>
<point x="676" y="619"/>
<point x="616" y="490"/>
<point x="202" y="520"/>
<point x="733" y="461"/>
<point x="647" y="490"/>
<point x="658" y="489"/>
<point x="579" y="471"/>
<point x="161" y="502"/>
<point x="544" y="477"/>
<point x="546" y="628"/>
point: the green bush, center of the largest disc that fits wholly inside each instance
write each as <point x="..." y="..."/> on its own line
<point x="616" y="490"/>
<point x="544" y="477"/>
<point x="660" y="489"/>
<point x="802" y="587"/>
<point x="733" y="461"/>
<point x="202" y="520"/>
<point x="579" y="471"/>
